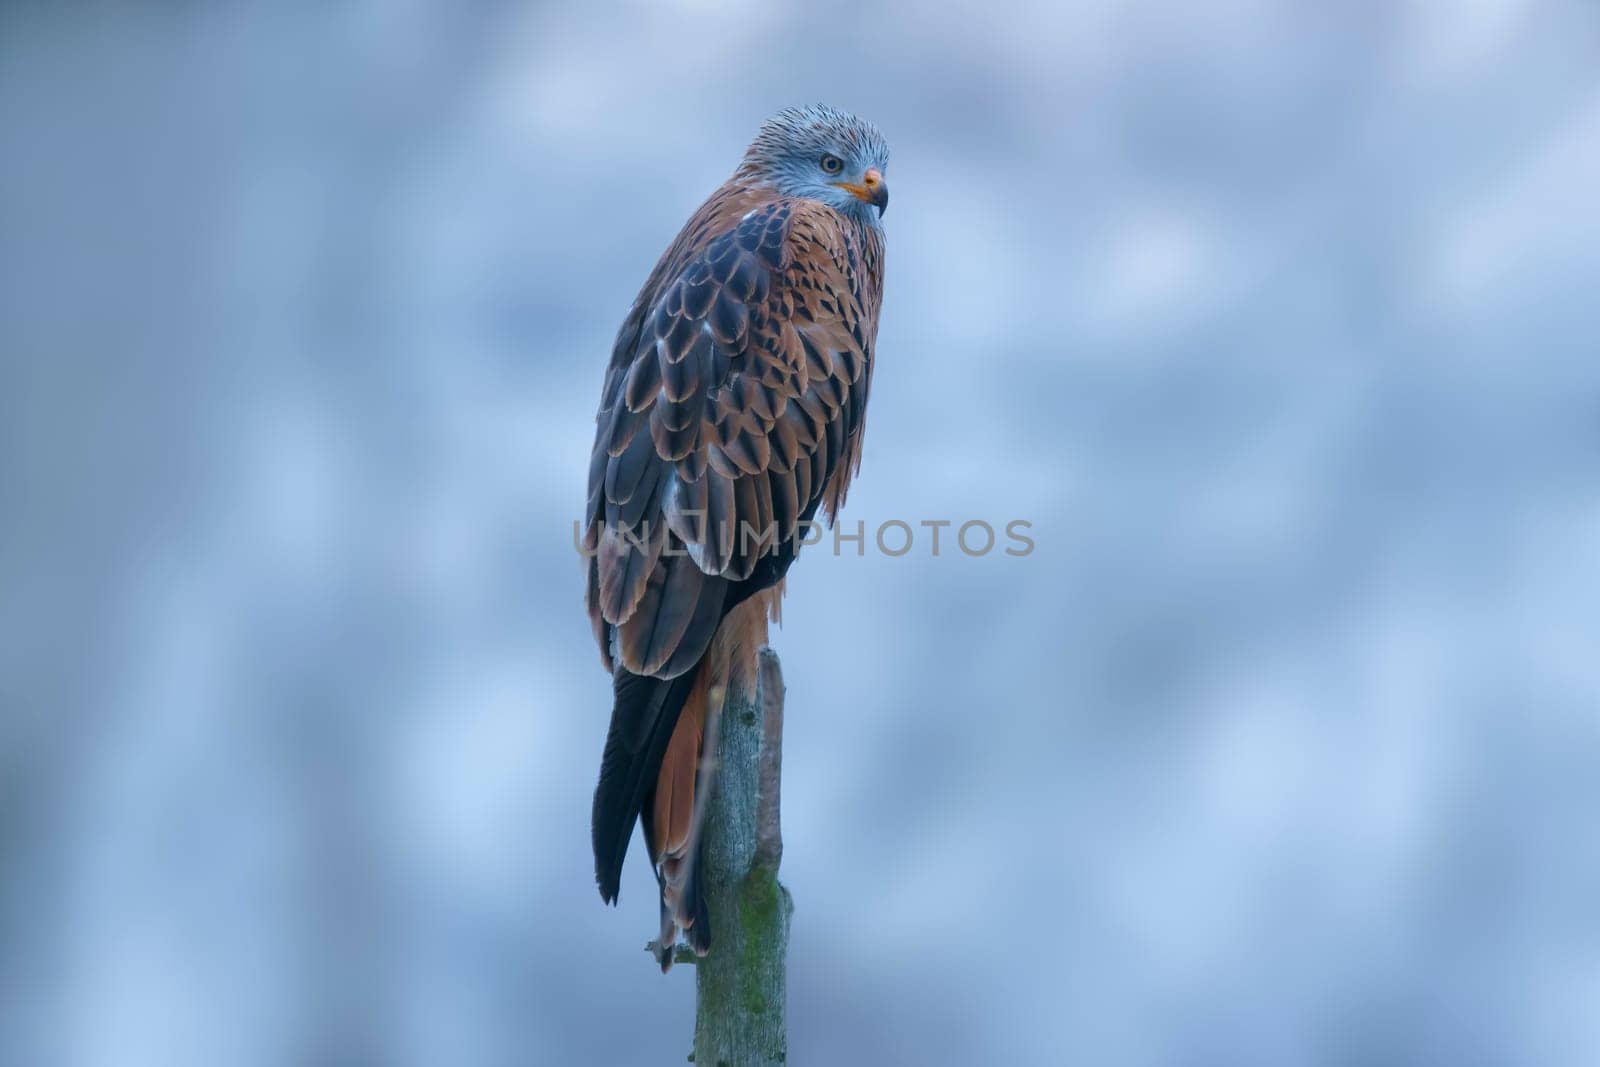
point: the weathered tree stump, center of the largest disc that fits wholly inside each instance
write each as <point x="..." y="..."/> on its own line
<point x="740" y="987"/>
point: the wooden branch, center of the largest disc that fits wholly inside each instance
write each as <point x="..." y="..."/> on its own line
<point x="740" y="987"/>
<point x="769" y="782"/>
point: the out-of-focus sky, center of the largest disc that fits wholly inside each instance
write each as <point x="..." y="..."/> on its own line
<point x="1278" y="321"/>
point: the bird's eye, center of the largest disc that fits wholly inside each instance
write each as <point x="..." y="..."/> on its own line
<point x="832" y="164"/>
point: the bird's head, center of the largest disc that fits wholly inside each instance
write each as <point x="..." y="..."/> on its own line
<point x="822" y="153"/>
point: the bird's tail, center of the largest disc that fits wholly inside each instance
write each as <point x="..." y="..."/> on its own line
<point x="657" y="768"/>
<point x="644" y="713"/>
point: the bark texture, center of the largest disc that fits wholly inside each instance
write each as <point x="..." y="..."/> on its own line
<point x="740" y="987"/>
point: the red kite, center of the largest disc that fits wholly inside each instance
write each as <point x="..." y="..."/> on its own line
<point x="733" y="410"/>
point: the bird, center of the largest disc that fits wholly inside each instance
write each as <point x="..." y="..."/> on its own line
<point x="731" y="419"/>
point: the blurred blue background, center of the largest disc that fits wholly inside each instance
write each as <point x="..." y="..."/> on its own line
<point x="1277" y="320"/>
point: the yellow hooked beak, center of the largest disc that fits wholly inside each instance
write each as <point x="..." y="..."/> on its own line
<point x="873" y="189"/>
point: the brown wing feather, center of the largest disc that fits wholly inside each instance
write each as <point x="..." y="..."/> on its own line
<point x="748" y="356"/>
